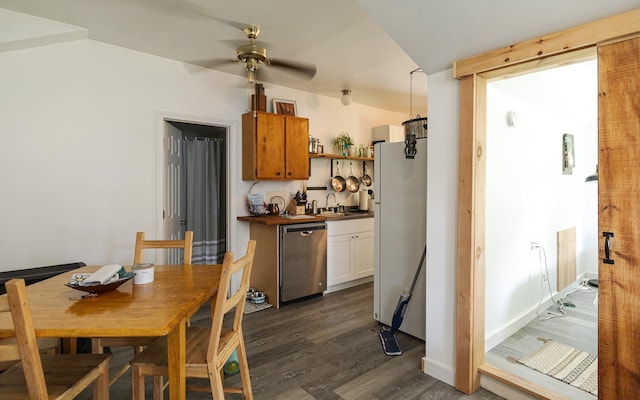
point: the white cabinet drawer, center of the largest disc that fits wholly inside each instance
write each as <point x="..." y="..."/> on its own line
<point x="349" y="226"/>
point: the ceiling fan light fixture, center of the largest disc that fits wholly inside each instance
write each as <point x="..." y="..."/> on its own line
<point x="346" y="97"/>
<point x="251" y="76"/>
<point x="252" y="67"/>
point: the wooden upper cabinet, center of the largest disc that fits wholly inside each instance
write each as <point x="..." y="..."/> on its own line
<point x="296" y="147"/>
<point x="274" y="147"/>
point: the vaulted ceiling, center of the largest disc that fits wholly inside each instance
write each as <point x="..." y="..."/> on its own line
<point x="368" y="46"/>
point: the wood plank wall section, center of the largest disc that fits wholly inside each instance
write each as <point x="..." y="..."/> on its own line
<point x="470" y="277"/>
<point x="566" y="247"/>
<point x="471" y="210"/>
<point x="619" y="213"/>
<point x="579" y="37"/>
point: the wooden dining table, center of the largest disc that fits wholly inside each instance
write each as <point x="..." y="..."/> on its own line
<point x="158" y="308"/>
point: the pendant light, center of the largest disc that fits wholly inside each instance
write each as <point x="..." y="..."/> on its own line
<point x="414" y="128"/>
<point x="346" y="97"/>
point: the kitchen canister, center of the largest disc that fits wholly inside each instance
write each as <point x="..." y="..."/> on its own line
<point x="144" y="273"/>
<point x="313" y="145"/>
<point x="363" y="203"/>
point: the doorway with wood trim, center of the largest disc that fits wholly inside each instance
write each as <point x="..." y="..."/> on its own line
<point x="473" y="74"/>
<point x="195" y="186"/>
<point x="541" y="218"/>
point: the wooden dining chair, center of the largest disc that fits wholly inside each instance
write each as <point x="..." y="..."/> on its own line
<point x="36" y="376"/>
<point x="138" y="343"/>
<point x="10" y="354"/>
<point x="208" y="348"/>
<point x="186" y="244"/>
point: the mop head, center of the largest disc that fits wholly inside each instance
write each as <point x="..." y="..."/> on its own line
<point x="389" y="343"/>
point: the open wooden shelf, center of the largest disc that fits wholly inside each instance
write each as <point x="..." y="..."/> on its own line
<point x="327" y="156"/>
<point x="339" y="157"/>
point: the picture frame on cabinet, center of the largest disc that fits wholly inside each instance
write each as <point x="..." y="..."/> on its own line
<point x="285" y="107"/>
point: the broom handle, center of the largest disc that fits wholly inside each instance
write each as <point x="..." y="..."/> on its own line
<point x="401" y="307"/>
<point x="415" y="278"/>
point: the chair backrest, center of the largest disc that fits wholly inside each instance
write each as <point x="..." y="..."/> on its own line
<point x="186" y="244"/>
<point x="17" y="303"/>
<point x="225" y="303"/>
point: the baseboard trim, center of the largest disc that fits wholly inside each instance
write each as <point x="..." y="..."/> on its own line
<point x="347" y="285"/>
<point x="438" y="371"/>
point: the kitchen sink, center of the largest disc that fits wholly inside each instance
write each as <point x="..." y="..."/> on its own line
<point x="301" y="216"/>
<point x="346" y="215"/>
<point x="331" y="214"/>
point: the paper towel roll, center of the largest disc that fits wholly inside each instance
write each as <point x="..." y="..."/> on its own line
<point x="364" y="201"/>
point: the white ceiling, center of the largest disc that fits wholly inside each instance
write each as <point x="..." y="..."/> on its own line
<point x="368" y="46"/>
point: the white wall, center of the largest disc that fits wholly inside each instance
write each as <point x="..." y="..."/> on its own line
<point x="527" y="195"/>
<point x="80" y="169"/>
<point x="442" y="227"/>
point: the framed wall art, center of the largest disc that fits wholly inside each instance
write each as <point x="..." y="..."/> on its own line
<point x="285" y="107"/>
<point x="568" y="155"/>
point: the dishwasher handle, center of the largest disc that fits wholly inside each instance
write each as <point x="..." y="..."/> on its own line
<point x="307" y="229"/>
<point x="306" y="233"/>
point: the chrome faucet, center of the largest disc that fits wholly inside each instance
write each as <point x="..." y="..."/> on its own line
<point x="334" y="199"/>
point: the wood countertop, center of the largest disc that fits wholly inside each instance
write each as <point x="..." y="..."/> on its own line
<point x="279" y="220"/>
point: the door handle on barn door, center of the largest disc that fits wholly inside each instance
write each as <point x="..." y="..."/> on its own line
<point x="607" y="247"/>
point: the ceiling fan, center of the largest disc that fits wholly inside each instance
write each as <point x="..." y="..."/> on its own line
<point x="254" y="56"/>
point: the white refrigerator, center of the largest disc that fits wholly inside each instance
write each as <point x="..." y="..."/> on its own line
<point x="400" y="229"/>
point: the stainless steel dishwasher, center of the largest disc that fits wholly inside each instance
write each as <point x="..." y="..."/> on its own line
<point x="303" y="260"/>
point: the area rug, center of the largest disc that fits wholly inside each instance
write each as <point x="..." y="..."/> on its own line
<point x="250" y="307"/>
<point x="565" y="363"/>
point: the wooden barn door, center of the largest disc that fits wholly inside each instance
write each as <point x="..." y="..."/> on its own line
<point x="619" y="220"/>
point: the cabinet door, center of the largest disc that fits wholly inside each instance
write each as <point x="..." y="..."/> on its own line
<point x="297" y="148"/>
<point x="363" y="254"/>
<point x="339" y="259"/>
<point x="270" y="142"/>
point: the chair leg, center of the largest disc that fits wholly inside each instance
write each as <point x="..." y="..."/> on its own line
<point x="96" y="346"/>
<point x="101" y="384"/>
<point x="244" y="371"/>
<point x="137" y="384"/>
<point x="215" y="381"/>
<point x="73" y="345"/>
<point x="158" y="388"/>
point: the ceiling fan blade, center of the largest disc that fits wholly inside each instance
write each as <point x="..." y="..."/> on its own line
<point x="306" y="70"/>
<point x="197" y="11"/>
<point x="209" y="63"/>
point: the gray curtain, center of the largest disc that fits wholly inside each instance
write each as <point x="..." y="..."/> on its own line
<point x="205" y="201"/>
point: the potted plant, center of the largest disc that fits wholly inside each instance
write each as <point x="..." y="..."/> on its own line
<point x="342" y="143"/>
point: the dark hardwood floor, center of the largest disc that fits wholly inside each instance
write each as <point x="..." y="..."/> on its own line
<point x="326" y="348"/>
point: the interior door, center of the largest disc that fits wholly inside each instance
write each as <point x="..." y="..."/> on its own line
<point x="619" y="219"/>
<point x="173" y="201"/>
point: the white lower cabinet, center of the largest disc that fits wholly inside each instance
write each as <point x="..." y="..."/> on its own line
<point x="349" y="250"/>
